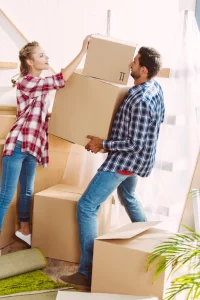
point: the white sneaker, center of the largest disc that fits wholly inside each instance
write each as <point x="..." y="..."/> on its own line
<point x="23" y="237"/>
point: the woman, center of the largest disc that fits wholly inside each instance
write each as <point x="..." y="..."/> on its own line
<point x="27" y="143"/>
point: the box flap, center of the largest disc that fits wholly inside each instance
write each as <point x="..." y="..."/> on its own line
<point x="128" y="231"/>
<point x="64" y="295"/>
<point x="67" y="188"/>
<point x="130" y="83"/>
<point x="79" y="71"/>
<point x="56" y="194"/>
<point x="114" y="40"/>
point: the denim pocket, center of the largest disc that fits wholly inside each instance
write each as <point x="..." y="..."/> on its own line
<point x="18" y="144"/>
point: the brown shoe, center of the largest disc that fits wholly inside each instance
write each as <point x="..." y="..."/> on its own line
<point x="77" y="279"/>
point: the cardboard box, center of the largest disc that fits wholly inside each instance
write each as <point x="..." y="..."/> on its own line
<point x="120" y="259"/>
<point x="109" y="59"/>
<point x="55" y="228"/>
<point x="58" y="157"/>
<point x="82" y="166"/>
<point x="86" y="106"/>
<point x="65" y="295"/>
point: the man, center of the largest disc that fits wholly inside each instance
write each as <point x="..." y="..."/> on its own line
<point x="131" y="153"/>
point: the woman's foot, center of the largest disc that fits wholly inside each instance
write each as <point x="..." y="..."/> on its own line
<point x="24" y="237"/>
<point x="24" y="233"/>
<point x="25" y="228"/>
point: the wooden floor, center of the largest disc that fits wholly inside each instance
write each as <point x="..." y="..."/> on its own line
<point x="54" y="269"/>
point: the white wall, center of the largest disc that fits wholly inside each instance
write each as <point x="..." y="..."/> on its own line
<point x="60" y="25"/>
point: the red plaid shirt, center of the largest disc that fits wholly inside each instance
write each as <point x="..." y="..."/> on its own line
<point x="32" y="119"/>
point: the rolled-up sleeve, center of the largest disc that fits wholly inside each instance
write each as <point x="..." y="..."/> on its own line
<point x="138" y="130"/>
<point x="34" y="87"/>
<point x="53" y="82"/>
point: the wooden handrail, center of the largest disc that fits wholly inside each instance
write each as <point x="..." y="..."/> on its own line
<point x="164" y="73"/>
<point x="8" y="110"/>
<point x="18" y="31"/>
<point x="8" y="65"/>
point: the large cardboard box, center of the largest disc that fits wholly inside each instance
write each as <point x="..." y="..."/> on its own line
<point x="55" y="228"/>
<point x="120" y="258"/>
<point x="86" y="106"/>
<point x="59" y="150"/>
<point x="109" y="59"/>
<point x="65" y="295"/>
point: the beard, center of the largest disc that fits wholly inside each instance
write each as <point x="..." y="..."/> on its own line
<point x="135" y="75"/>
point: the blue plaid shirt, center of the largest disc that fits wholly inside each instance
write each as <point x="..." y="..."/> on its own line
<point x="134" y="134"/>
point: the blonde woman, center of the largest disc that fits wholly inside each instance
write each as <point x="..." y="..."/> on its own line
<point x="27" y="142"/>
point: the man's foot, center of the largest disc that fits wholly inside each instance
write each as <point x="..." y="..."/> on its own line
<point x="77" y="280"/>
<point x="24" y="237"/>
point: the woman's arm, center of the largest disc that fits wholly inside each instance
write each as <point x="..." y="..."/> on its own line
<point x="69" y="70"/>
<point x="34" y="86"/>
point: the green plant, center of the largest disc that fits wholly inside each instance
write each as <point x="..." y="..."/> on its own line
<point x="178" y="251"/>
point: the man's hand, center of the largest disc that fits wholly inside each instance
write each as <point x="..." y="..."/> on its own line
<point x="95" y="145"/>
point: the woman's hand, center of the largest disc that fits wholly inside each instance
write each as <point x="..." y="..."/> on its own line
<point x="86" y="43"/>
<point x="69" y="70"/>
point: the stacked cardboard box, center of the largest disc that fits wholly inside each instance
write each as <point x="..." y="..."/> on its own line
<point x="91" y="97"/>
<point x="88" y="103"/>
<point x="109" y="59"/>
<point x="85" y="106"/>
<point x="55" y="228"/>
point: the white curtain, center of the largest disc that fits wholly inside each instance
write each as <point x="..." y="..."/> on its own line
<point x="164" y="193"/>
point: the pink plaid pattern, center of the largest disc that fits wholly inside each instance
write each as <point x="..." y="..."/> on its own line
<point x="32" y="119"/>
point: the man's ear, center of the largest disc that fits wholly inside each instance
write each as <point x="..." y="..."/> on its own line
<point x="145" y="71"/>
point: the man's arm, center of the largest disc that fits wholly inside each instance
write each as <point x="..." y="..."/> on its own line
<point x="138" y="129"/>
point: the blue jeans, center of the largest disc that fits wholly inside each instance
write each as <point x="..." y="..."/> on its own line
<point x="20" y="166"/>
<point x="101" y="186"/>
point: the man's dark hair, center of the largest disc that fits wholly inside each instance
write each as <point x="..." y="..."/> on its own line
<point x="150" y="59"/>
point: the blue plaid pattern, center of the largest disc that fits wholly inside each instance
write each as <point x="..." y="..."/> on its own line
<point x="134" y="134"/>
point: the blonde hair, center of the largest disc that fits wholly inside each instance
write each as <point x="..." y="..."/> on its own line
<point x="24" y="54"/>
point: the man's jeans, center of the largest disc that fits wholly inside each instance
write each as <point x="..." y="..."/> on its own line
<point x="101" y="186"/>
<point x="20" y="167"/>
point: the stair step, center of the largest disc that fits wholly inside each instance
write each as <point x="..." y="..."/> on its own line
<point x="6" y="123"/>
